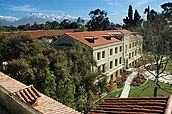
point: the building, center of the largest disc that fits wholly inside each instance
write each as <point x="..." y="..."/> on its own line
<point x="18" y="98"/>
<point x="151" y="105"/>
<point x="42" y="35"/>
<point x="113" y="50"/>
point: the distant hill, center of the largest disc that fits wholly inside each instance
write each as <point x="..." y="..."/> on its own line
<point x="39" y="18"/>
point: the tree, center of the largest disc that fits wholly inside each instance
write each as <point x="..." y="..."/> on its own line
<point x="98" y="21"/>
<point x="80" y="21"/>
<point x="90" y="101"/>
<point x="49" y="84"/>
<point x="65" y="88"/>
<point x="130" y="14"/>
<point x="156" y="44"/>
<point x="167" y="7"/>
<point x="151" y="14"/>
<point x="137" y="17"/>
<point x="130" y="22"/>
<point x="17" y="46"/>
<point x="74" y="25"/>
<point x="81" y="64"/>
<point x="81" y="99"/>
<point x="65" y="24"/>
<point x="21" y="70"/>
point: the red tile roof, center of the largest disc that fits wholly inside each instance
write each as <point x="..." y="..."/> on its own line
<point x="46" y="105"/>
<point x="151" y="105"/>
<point x="99" y="37"/>
<point x="28" y="95"/>
<point x="40" y="33"/>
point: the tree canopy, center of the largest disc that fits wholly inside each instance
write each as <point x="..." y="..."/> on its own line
<point x="66" y="77"/>
<point x="98" y="21"/>
<point x="130" y="22"/>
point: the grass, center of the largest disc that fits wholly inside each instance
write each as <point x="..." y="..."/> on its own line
<point x="113" y="94"/>
<point x="169" y="66"/>
<point x="147" y="90"/>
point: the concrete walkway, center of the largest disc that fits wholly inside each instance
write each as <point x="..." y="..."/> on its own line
<point x="126" y="89"/>
<point x="165" y="78"/>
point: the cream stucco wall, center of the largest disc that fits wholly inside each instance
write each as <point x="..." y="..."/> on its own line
<point x="128" y="55"/>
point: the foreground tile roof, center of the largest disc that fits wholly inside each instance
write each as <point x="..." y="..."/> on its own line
<point x="40" y="33"/>
<point x="153" y="105"/>
<point x="46" y="105"/>
<point x="28" y="95"/>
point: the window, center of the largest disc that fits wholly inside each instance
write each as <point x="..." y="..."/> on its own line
<point x="111" y="77"/>
<point x="120" y="60"/>
<point x="130" y="45"/>
<point x="116" y="74"/>
<point x="111" y="51"/>
<point x="104" y="67"/>
<point x="129" y="55"/>
<point x="125" y="48"/>
<point x="116" y="62"/>
<point x="116" y="50"/>
<point x="111" y="64"/>
<point x="136" y="43"/>
<point x="103" y="54"/>
<point x="99" y="68"/>
<point x="139" y="51"/>
<point x="120" y="49"/>
<point x="135" y="53"/>
<point x="132" y="54"/>
<point x="98" y="56"/>
<point x="133" y="44"/>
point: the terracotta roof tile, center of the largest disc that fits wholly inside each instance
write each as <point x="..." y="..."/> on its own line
<point x="46" y="105"/>
<point x="134" y="106"/>
<point x="40" y="33"/>
<point x="28" y="95"/>
<point x="99" y="37"/>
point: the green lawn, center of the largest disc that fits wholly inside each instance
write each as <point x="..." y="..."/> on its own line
<point x="142" y="91"/>
<point x="147" y="90"/>
<point x="169" y="66"/>
<point x="115" y="94"/>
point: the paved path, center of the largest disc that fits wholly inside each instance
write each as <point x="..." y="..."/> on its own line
<point x="165" y="78"/>
<point x="126" y="89"/>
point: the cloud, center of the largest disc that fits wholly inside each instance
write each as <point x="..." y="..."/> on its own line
<point x="29" y="8"/>
<point x="23" y="8"/>
<point x="114" y="2"/>
<point x="139" y="3"/>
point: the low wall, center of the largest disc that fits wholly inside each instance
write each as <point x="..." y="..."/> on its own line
<point x="13" y="105"/>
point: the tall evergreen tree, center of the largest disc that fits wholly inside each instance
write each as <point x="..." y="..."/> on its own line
<point x="65" y="88"/>
<point x="137" y="17"/>
<point x="130" y="22"/>
<point x="151" y="14"/>
<point x="81" y="100"/>
<point x="130" y="14"/>
<point x="49" y="84"/>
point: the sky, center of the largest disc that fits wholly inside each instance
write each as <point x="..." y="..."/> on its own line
<point x="116" y="9"/>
